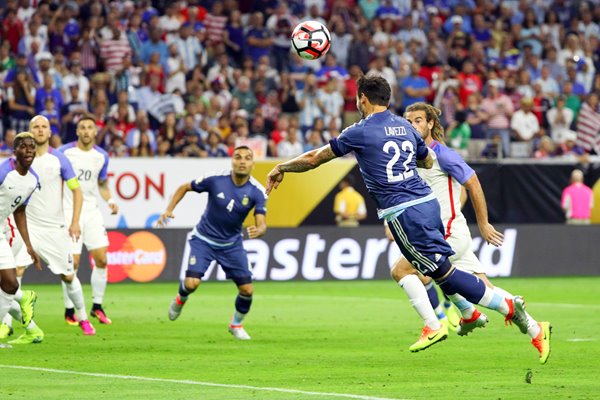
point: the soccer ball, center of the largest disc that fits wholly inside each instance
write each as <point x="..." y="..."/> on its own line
<point x="311" y="40"/>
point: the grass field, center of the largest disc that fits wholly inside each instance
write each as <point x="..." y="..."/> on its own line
<point x="311" y="340"/>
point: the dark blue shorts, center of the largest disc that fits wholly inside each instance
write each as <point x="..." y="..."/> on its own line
<point x="419" y="232"/>
<point x="233" y="260"/>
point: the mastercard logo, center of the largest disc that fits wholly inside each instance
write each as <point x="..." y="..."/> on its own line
<point x="140" y="256"/>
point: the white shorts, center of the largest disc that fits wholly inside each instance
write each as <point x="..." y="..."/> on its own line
<point x="7" y="260"/>
<point x="464" y="258"/>
<point x="15" y="241"/>
<point x="54" y="247"/>
<point x="93" y="232"/>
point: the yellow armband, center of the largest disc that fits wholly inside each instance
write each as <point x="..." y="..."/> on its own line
<point x="73" y="183"/>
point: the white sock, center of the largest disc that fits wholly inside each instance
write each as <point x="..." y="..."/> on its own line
<point x="20" y="279"/>
<point x="495" y="299"/>
<point x="76" y="295"/>
<point x="13" y="312"/>
<point x="419" y="300"/>
<point x="464" y="306"/>
<point x="66" y="299"/>
<point x="237" y="318"/>
<point x="99" y="280"/>
<point x="32" y="325"/>
<point x="7" y="320"/>
<point x="5" y="302"/>
<point x="18" y="294"/>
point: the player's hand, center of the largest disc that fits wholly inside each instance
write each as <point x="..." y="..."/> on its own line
<point x="114" y="208"/>
<point x="164" y="219"/>
<point x="75" y="232"/>
<point x="36" y="259"/>
<point x="253" y="232"/>
<point x="491" y="235"/>
<point x="274" y="179"/>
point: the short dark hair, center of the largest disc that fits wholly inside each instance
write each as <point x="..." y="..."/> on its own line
<point x="349" y="179"/>
<point x="20" y="138"/>
<point x="375" y="88"/>
<point x="244" y="147"/>
<point x="87" y="117"/>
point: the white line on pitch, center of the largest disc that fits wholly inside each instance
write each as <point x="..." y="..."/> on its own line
<point x="189" y="382"/>
<point x="581" y="340"/>
<point x="400" y="298"/>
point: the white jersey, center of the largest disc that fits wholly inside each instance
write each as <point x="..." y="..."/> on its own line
<point x="15" y="189"/>
<point x="89" y="166"/>
<point x="446" y="177"/>
<point x="45" y="208"/>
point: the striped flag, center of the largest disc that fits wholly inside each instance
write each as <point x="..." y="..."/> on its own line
<point x="588" y="128"/>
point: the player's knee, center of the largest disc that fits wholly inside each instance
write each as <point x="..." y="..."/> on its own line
<point x="67" y="278"/>
<point x="442" y="270"/>
<point x="20" y="271"/>
<point x="9" y="286"/>
<point x="100" y="262"/>
<point x="246" y="291"/>
<point x="191" y="284"/>
<point x="400" y="270"/>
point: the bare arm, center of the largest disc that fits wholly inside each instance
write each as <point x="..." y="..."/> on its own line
<point x="106" y="195"/>
<point x="259" y="228"/>
<point x="179" y="194"/>
<point x="21" y="221"/>
<point x="74" y="229"/>
<point x="488" y="232"/>
<point x="427" y="162"/>
<point x="304" y="162"/>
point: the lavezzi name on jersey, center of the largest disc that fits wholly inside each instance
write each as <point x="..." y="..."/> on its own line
<point x="347" y="255"/>
<point x="395" y="131"/>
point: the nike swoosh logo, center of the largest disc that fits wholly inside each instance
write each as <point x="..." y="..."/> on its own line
<point x="433" y="337"/>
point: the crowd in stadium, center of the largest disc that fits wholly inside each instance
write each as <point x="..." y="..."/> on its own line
<point x="196" y="78"/>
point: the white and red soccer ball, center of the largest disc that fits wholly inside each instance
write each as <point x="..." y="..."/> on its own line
<point x="311" y="40"/>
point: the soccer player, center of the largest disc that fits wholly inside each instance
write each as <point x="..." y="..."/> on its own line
<point x="218" y="234"/>
<point x="90" y="163"/>
<point x="17" y="183"/>
<point x="446" y="178"/>
<point x="46" y="220"/>
<point x="388" y="150"/>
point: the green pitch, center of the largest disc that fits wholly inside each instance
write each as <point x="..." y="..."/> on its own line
<point x="311" y="340"/>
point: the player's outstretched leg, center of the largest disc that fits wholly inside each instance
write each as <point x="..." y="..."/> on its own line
<point x="26" y="300"/>
<point x="423" y="302"/>
<point x="243" y="301"/>
<point x="539" y="332"/>
<point x="99" y="281"/>
<point x="75" y="293"/>
<point x="33" y="334"/>
<point x="186" y="288"/>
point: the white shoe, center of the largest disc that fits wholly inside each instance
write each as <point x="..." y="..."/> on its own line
<point x="175" y="309"/>
<point x="239" y="332"/>
<point x="478" y="320"/>
<point x="519" y="316"/>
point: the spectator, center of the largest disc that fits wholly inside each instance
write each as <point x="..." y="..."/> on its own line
<point x="577" y="200"/>
<point x="524" y="122"/>
<point x="290" y="146"/>
<point x="154" y="45"/>
<point x="331" y="69"/>
<point x="77" y="77"/>
<point x="311" y="106"/>
<point x="545" y="149"/>
<point x="214" y="147"/>
<point x="415" y="88"/>
<point x="50" y="111"/>
<point x="47" y="90"/>
<point x="144" y="148"/>
<point x="215" y="25"/>
<point x="6" y="148"/>
<point x="460" y="134"/>
<point x="497" y="110"/>
<point x="142" y="134"/>
<point x="70" y="113"/>
<point x="349" y="205"/>
<point x="549" y="85"/>
<point x="170" y="22"/>
<point x="114" y="50"/>
<point x="569" y="149"/>
<point x="560" y="119"/>
<point x="234" y="38"/>
<point x="192" y="146"/>
<point x="175" y="71"/>
<point x="469" y="83"/>
<point x="259" y="39"/>
<point x="190" y="48"/>
<point x="21" y="102"/>
<point x="281" y="23"/>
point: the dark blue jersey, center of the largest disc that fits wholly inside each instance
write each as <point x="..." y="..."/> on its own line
<point x="387" y="148"/>
<point x="228" y="206"/>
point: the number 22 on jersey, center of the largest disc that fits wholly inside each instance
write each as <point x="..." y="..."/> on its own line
<point x="392" y="146"/>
